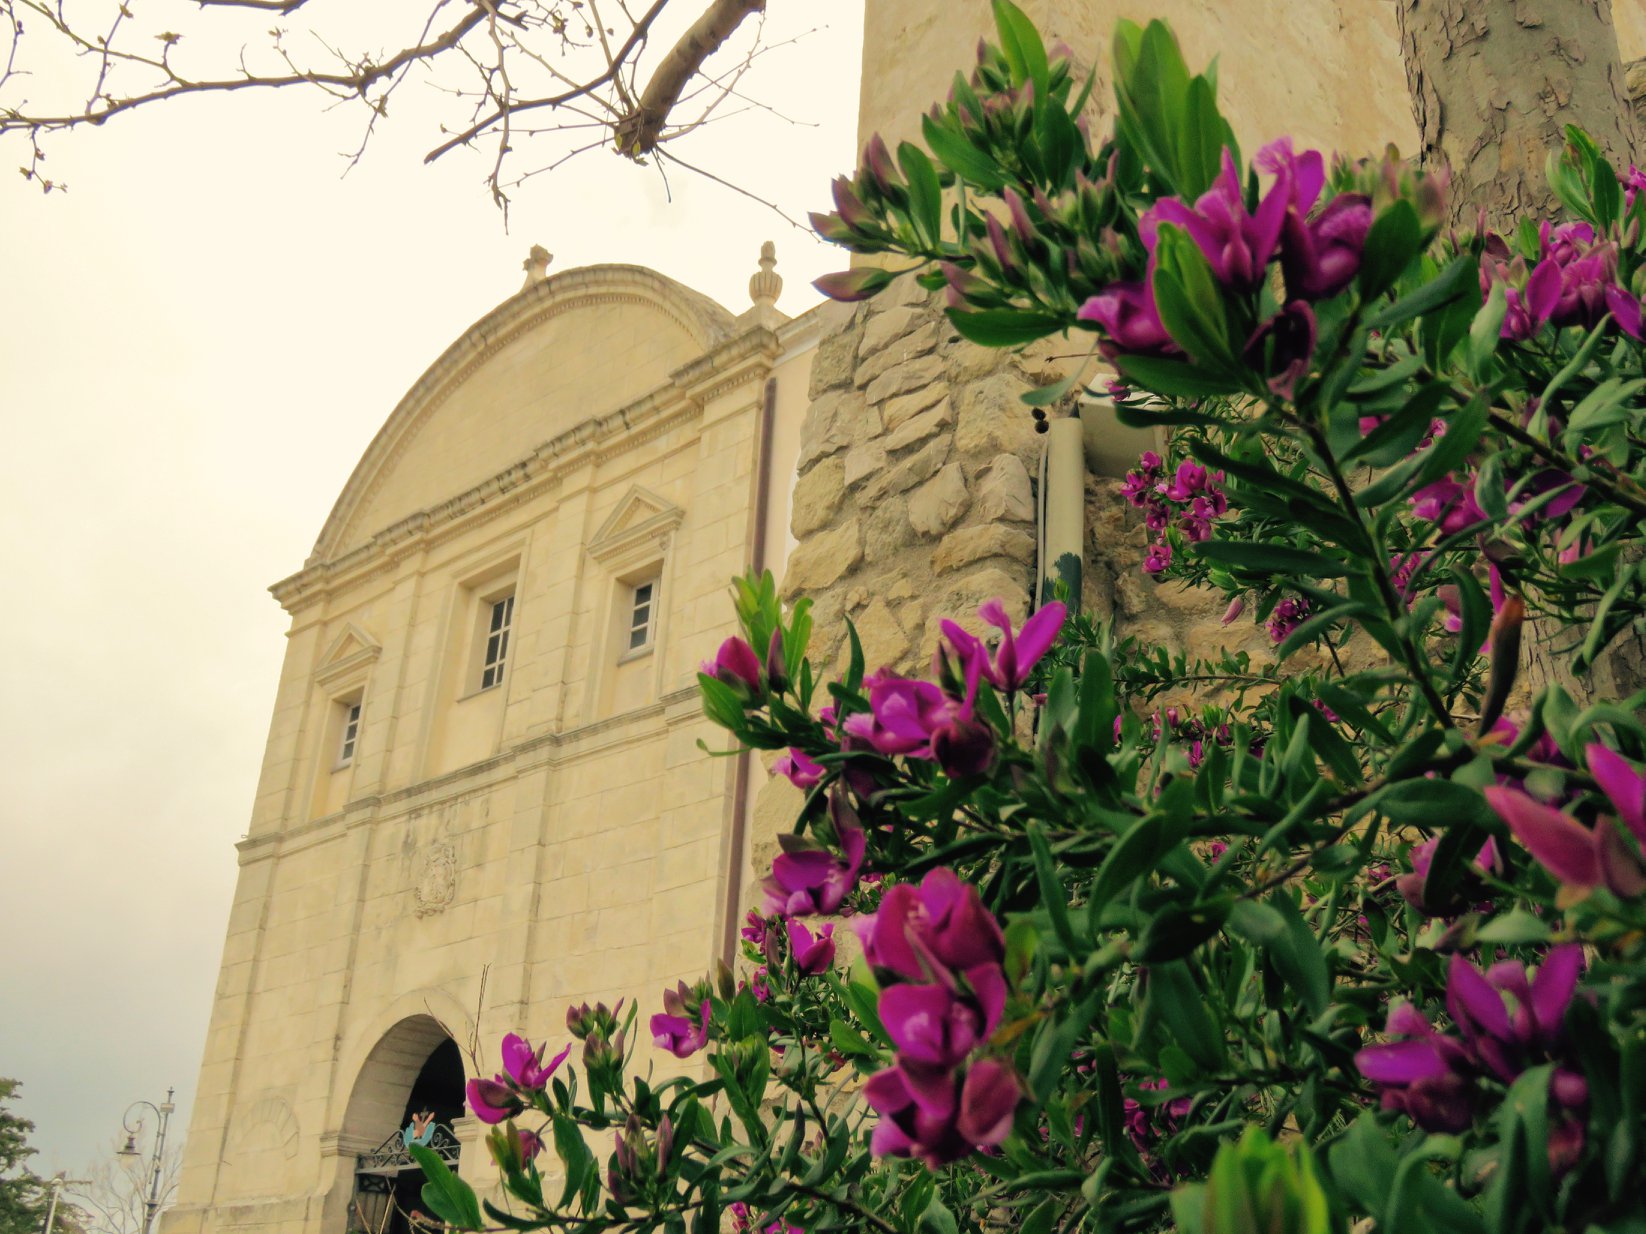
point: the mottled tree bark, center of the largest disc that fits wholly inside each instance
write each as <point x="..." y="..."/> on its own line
<point x="1493" y="84"/>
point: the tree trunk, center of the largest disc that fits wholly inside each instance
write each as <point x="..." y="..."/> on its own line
<point x="1494" y="84"/>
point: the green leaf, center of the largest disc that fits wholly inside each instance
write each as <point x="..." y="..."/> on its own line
<point x="1024" y="51"/>
<point x="925" y="194"/>
<point x="1394" y="240"/>
<point x="1516" y="928"/>
<point x="937" y="1219"/>
<point x="1177" y="929"/>
<point x="1190" y="302"/>
<point x="1182" y="1008"/>
<point x="1173" y="379"/>
<point x="1485" y="329"/>
<point x="1428" y="803"/>
<point x="961" y="157"/>
<point x="1052" y="894"/>
<point x="1269" y="559"/>
<point x="1319" y="624"/>
<point x="448" y="1196"/>
<point x="1278" y="927"/>
<point x="1004" y="327"/>
<point x="577" y="1161"/>
<point x="1145" y="843"/>
<point x="1455" y="281"/>
<point x="1053" y="1043"/>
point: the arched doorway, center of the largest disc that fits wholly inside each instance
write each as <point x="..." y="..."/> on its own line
<point x="415" y="1069"/>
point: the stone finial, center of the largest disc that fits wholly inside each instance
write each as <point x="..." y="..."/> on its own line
<point x="536" y="266"/>
<point x="767" y="285"/>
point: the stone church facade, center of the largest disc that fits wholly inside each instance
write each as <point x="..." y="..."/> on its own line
<point x="482" y="798"/>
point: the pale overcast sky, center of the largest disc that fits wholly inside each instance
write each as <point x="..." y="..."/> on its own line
<point x="197" y="341"/>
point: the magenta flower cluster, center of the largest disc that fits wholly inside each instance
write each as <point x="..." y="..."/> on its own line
<point x="1574" y="283"/>
<point x="1506" y="1023"/>
<point x="938" y="721"/>
<point x="1188" y="499"/>
<point x="1286" y="616"/>
<point x="524" y="1076"/>
<point x="1319" y="254"/>
<point x="939" y="953"/>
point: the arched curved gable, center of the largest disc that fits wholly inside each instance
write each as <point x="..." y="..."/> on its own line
<point x="565" y="350"/>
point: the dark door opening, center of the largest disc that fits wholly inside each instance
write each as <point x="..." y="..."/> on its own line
<point x="388" y="1183"/>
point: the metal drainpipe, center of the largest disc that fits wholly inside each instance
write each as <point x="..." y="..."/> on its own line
<point x="1062" y="510"/>
<point x="740" y="775"/>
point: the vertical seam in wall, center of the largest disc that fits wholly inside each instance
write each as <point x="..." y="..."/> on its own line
<point x="734" y="857"/>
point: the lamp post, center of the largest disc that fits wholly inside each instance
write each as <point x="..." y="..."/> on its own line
<point x="58" y="1182"/>
<point x="151" y="1206"/>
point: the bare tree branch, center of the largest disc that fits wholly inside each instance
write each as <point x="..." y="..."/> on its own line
<point x="496" y="61"/>
<point x="637" y="134"/>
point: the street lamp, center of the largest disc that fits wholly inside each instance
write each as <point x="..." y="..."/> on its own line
<point x="58" y="1182"/>
<point x="163" y="1111"/>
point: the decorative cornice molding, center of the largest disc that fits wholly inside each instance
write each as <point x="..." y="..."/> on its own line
<point x="748" y="357"/>
<point x="699" y="317"/>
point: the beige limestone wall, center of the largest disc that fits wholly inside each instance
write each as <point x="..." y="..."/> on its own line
<point x="1328" y="72"/>
<point x="556" y="838"/>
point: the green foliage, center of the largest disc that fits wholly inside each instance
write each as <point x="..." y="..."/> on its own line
<point x="1227" y="885"/>
<point x="23" y="1196"/>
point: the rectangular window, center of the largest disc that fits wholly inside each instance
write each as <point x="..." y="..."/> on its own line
<point x="640" y="615"/>
<point x="497" y="642"/>
<point x="351" y="733"/>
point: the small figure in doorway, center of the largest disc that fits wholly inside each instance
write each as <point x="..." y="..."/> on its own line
<point x="421" y="1130"/>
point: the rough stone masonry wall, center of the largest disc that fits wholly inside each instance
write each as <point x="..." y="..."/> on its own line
<point x="914" y="500"/>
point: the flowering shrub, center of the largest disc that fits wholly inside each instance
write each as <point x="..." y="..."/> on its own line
<point x="1353" y="935"/>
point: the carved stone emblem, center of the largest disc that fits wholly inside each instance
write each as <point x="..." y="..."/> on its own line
<point x="435" y="883"/>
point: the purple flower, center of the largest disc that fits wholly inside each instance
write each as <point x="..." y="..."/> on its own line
<point x="1321" y="256"/>
<point x="1413" y="886"/>
<point x="1623" y="785"/>
<point x="754" y="931"/>
<point x="1237" y="243"/>
<point x="525" y="1065"/>
<point x="1231" y="614"/>
<point x="1286" y="617"/>
<point x="676" y="1029"/>
<point x="919" y="720"/>
<point x="812" y="955"/>
<point x="937" y="929"/>
<point x="1283" y="346"/>
<point x="977" y="1113"/>
<point x="1012" y="662"/>
<point x="807" y="880"/>
<point x="1127" y="313"/>
<point x="1632" y="181"/>
<point x="1158" y="558"/>
<point x="737" y="665"/>
<point x="935" y="1027"/>
<point x="1019" y="653"/>
<point x="1449" y="504"/>
<point x="1506" y="1036"/>
<point x="802" y="772"/>
<point x="1577" y="856"/>
<point x="493" y="1100"/>
<point x="1423" y="1076"/>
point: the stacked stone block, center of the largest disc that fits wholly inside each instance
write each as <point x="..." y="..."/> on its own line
<point x="914" y="500"/>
